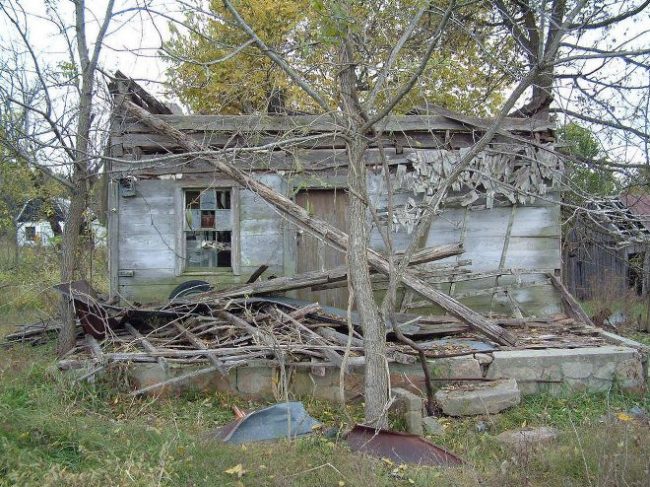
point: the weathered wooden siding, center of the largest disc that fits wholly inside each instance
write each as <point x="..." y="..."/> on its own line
<point x="593" y="266"/>
<point x="148" y="248"/>
<point x="497" y="239"/>
<point x="312" y="253"/>
<point x="525" y="239"/>
<point x="262" y="229"/>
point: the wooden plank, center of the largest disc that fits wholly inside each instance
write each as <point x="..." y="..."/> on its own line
<point x="325" y="123"/>
<point x="329" y="353"/>
<point x="113" y="249"/>
<point x="197" y="342"/>
<point x="146" y="344"/>
<point x="463" y="234"/>
<point x="504" y="252"/>
<point x="317" y="278"/>
<point x="573" y="308"/>
<point x="483" y="292"/>
<point x="533" y="252"/>
<point x="235" y="252"/>
<point x="130" y="87"/>
<point x="156" y="144"/>
<point x="312" y="254"/>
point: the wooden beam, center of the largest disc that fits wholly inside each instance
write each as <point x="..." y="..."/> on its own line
<point x="323" y="230"/>
<point x="314" y="279"/>
<point x="198" y="343"/>
<point x="149" y="100"/>
<point x="302" y="124"/>
<point x="146" y="344"/>
<point x="573" y="308"/>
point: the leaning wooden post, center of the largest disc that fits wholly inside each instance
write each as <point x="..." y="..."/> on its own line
<point x="321" y="229"/>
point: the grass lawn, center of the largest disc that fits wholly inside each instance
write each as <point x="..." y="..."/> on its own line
<point x="55" y="432"/>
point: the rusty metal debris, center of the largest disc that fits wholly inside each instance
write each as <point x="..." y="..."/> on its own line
<point x="400" y="447"/>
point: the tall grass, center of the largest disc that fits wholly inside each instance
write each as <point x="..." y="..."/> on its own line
<point x="57" y="432"/>
<point x="28" y="274"/>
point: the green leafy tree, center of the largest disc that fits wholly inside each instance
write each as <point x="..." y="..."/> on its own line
<point x="586" y="172"/>
<point x="16" y="188"/>
<point x="216" y="69"/>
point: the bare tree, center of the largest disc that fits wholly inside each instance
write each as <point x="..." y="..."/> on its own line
<point x="64" y="110"/>
<point x="546" y="35"/>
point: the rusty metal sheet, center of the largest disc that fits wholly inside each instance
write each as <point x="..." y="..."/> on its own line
<point x="95" y="317"/>
<point x="399" y="447"/>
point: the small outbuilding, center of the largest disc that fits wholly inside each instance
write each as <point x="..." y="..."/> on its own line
<point x="173" y="218"/>
<point x="40" y="220"/>
<point x="605" y="251"/>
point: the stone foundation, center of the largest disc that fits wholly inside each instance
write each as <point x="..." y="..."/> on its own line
<point x="551" y="370"/>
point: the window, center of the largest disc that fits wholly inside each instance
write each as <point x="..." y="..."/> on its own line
<point x="30" y="234"/>
<point x="208" y="228"/>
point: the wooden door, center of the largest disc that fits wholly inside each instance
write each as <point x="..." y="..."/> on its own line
<point x="314" y="255"/>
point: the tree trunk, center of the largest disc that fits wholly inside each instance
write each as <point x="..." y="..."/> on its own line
<point x="374" y="328"/>
<point x="78" y="200"/>
<point x="69" y="247"/>
<point x="376" y="386"/>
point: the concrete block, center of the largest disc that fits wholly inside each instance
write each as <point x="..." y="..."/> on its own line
<point x="578" y="369"/>
<point x="485" y="398"/>
<point x="255" y="381"/>
<point x="432" y="426"/>
<point x="413" y="421"/>
<point x="407" y="401"/>
<point x="529" y="438"/>
<point x="466" y="367"/>
<point x="145" y="375"/>
<point x="410" y="406"/>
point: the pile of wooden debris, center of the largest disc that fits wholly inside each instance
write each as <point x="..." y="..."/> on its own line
<point x="226" y="329"/>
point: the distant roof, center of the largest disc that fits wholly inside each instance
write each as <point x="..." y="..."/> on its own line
<point x="625" y="217"/>
<point x="36" y="209"/>
<point x="639" y="206"/>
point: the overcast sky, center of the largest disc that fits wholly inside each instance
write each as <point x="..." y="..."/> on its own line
<point x="135" y="37"/>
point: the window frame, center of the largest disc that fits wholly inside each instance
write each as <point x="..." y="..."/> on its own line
<point x="33" y="236"/>
<point x="181" y="267"/>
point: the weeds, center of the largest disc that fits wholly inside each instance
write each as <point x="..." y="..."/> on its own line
<point x="54" y="432"/>
<point x="27" y="277"/>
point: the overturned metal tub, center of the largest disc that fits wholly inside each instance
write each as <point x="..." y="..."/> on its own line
<point x="400" y="447"/>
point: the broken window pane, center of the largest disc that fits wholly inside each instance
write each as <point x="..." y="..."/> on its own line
<point x="208" y="229"/>
<point x="193" y="219"/>
<point x="223" y="200"/>
<point x="208" y="200"/>
<point x="207" y="219"/>
<point x="223" y="257"/>
<point x="193" y="199"/>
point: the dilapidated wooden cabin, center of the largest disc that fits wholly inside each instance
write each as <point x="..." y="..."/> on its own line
<point x="605" y="252"/>
<point x="173" y="219"/>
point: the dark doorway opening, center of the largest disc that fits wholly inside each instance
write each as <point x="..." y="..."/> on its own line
<point x="635" y="272"/>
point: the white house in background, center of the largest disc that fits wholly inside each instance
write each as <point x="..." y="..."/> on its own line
<point x="35" y="228"/>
